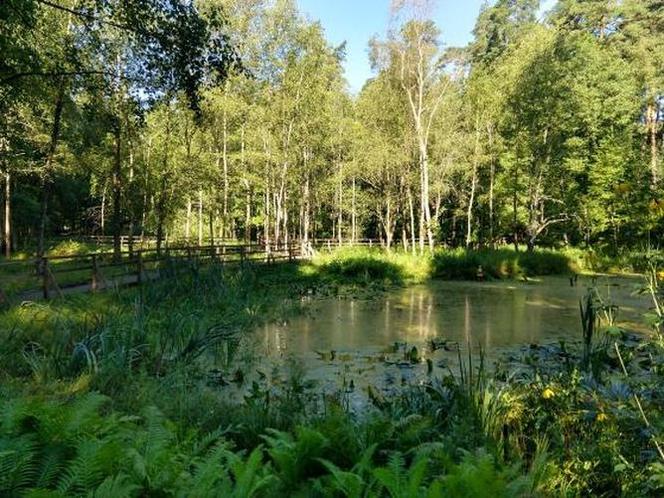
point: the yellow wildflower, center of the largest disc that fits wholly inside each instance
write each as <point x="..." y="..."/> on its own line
<point x="602" y="417"/>
<point x="660" y="275"/>
<point x="548" y="393"/>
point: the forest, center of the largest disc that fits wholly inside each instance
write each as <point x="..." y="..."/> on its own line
<point x="224" y="272"/>
<point x="232" y="120"/>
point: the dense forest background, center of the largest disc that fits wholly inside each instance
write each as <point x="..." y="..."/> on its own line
<point x="232" y="119"/>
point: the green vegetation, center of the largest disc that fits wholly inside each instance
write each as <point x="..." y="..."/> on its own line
<point x="230" y="121"/>
<point x="450" y="264"/>
<point x="119" y="394"/>
<point x="501" y="263"/>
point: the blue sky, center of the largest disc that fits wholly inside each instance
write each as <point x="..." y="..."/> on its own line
<point x="356" y="21"/>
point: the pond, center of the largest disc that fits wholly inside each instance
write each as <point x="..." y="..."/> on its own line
<point x="493" y="315"/>
<point x="348" y="345"/>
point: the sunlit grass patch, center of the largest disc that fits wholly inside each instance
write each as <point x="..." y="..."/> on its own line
<point x="365" y="264"/>
<point x="500" y="263"/>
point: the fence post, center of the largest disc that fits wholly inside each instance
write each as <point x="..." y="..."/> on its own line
<point x="45" y="282"/>
<point x="213" y="251"/>
<point x="95" y="282"/>
<point x="139" y="267"/>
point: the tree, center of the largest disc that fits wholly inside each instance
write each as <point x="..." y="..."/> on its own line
<point x="412" y="57"/>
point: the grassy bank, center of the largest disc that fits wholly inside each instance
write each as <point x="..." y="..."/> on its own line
<point x="370" y="265"/>
<point x="121" y="394"/>
<point x="368" y="269"/>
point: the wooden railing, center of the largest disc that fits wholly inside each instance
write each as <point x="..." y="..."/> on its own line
<point x="56" y="275"/>
<point x="51" y="275"/>
<point x="145" y="242"/>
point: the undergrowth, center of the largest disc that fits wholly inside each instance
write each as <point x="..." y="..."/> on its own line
<point x="119" y="394"/>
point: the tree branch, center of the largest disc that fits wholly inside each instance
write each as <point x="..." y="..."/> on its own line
<point x="87" y="15"/>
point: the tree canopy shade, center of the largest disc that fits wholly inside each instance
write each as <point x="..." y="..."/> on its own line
<point x="168" y="45"/>
<point x="231" y="118"/>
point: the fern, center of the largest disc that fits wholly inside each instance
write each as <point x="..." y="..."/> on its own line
<point x="478" y="476"/>
<point x="400" y="482"/>
<point x="296" y="458"/>
<point x="119" y="486"/>
<point x="208" y="478"/>
<point x="153" y="457"/>
<point x="356" y="482"/>
<point x="17" y="464"/>
<point x="94" y="460"/>
<point x="249" y="480"/>
<point x="349" y="484"/>
<point x="50" y="466"/>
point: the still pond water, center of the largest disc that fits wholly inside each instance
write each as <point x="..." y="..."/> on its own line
<point x="354" y="346"/>
<point x="495" y="315"/>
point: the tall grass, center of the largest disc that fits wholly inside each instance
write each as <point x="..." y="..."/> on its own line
<point x="367" y="265"/>
<point x="397" y="267"/>
<point x="500" y="263"/>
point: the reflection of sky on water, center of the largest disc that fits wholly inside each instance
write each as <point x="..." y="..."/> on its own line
<point x="495" y="315"/>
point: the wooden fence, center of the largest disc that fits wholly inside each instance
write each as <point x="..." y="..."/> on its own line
<point x="58" y="275"/>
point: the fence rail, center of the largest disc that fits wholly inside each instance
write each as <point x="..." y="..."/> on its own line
<point x="57" y="275"/>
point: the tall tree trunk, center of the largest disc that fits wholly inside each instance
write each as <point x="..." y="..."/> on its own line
<point x="266" y="218"/>
<point x="276" y="215"/>
<point x="200" y="218"/>
<point x="144" y="201"/>
<point x="144" y="215"/>
<point x="266" y="208"/>
<point x="492" y="177"/>
<point x="426" y="206"/>
<point x="187" y="221"/>
<point x="652" y="118"/>
<point x="225" y="162"/>
<point x="46" y="181"/>
<point x="161" y="214"/>
<point x="277" y="218"/>
<point x="211" y="226"/>
<point x="469" y="213"/>
<point x="301" y="224"/>
<point x="116" y="183"/>
<point x="340" y="213"/>
<point x="389" y="232"/>
<point x="161" y="202"/>
<point x="422" y="221"/>
<point x="247" y="212"/>
<point x="411" y="211"/>
<point x="286" y="234"/>
<point x="102" y="213"/>
<point x="132" y="214"/>
<point x="492" y="180"/>
<point x="354" y="214"/>
<point x="515" y="234"/>
<point x="473" y="186"/>
<point x="7" y="226"/>
<point x="247" y="184"/>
